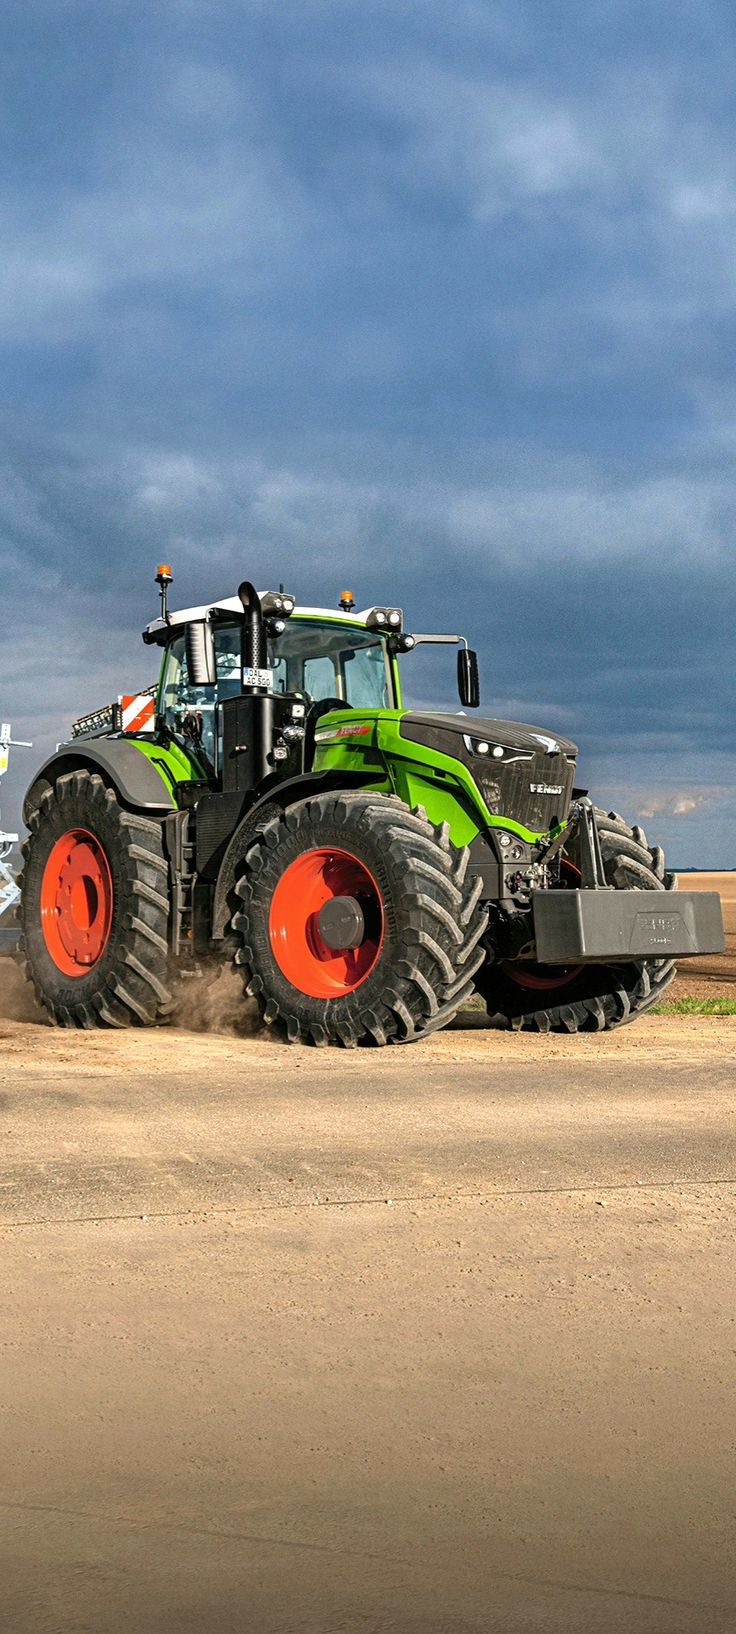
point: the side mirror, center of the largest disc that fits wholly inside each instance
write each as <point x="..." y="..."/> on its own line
<point x="468" y="680"/>
<point x="200" y="646"/>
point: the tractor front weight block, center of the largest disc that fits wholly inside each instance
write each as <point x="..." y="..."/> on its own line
<point x="576" y="927"/>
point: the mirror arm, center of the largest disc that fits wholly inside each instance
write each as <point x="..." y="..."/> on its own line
<point x="439" y="640"/>
<point x="467" y="661"/>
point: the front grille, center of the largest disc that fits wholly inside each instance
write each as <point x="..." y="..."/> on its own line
<point x="506" y="787"/>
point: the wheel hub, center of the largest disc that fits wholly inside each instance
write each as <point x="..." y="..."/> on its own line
<point x="341" y="922"/>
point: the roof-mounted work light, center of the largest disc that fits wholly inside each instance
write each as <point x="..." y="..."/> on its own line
<point x="385" y="618"/>
<point x="277" y="604"/>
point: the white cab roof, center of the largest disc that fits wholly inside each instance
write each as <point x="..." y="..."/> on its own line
<point x="233" y="604"/>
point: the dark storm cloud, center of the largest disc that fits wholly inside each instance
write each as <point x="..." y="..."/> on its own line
<point x="444" y="307"/>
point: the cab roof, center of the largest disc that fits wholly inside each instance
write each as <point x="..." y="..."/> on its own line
<point x="158" y="627"/>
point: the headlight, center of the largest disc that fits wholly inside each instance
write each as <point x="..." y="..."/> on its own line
<point x="481" y="746"/>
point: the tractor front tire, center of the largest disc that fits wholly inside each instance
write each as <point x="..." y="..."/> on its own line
<point x="94" y="908"/>
<point x="415" y="911"/>
<point x="589" y="998"/>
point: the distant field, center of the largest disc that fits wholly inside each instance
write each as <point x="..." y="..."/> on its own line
<point x="707" y="977"/>
<point x="725" y="883"/>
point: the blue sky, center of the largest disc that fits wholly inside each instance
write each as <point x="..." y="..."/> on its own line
<point x="436" y="301"/>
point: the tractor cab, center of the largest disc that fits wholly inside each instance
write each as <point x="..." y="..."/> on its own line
<point x="262" y="644"/>
<point x="317" y="659"/>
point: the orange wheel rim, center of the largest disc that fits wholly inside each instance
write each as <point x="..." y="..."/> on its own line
<point x="302" y="956"/>
<point x="76" y="902"/>
<point x="541" y="984"/>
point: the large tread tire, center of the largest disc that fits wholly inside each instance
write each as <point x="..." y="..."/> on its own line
<point x="602" y="996"/>
<point x="130" y="983"/>
<point x="433" y="921"/>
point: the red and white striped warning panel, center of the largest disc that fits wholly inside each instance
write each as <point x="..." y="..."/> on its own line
<point x="139" y="710"/>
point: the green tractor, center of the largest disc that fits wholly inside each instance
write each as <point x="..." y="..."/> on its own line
<point x="367" y="866"/>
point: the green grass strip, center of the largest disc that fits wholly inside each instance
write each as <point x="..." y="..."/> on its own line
<point x="696" y="1007"/>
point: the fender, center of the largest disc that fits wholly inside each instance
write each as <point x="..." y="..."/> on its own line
<point x="282" y="794"/>
<point x="139" y="785"/>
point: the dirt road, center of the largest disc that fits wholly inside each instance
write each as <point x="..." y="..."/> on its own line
<point x="299" y="1343"/>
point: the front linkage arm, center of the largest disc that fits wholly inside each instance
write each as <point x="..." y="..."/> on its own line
<point x="581" y="822"/>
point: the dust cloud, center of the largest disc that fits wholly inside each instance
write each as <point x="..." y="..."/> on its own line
<point x="17" y="1001"/>
<point x="212" y="1001"/>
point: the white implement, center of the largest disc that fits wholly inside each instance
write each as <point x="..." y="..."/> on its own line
<point x="9" y="892"/>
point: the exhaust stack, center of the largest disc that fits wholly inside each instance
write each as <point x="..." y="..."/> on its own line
<point x="256" y="676"/>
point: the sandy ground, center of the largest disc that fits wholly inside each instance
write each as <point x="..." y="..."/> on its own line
<point x="302" y="1342"/>
<point x="327" y="1343"/>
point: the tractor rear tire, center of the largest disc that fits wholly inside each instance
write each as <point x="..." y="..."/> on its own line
<point x="416" y="907"/>
<point x="591" y="998"/>
<point x="94" y="908"/>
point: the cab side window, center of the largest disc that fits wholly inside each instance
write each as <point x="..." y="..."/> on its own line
<point x="189" y="711"/>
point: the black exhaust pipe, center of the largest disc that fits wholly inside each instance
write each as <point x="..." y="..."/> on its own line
<point x="253" y="644"/>
<point x="248" y="720"/>
<point x="252" y="747"/>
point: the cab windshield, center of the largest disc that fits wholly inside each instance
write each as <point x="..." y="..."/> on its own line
<point x="324" y="660"/>
<point x="315" y="658"/>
